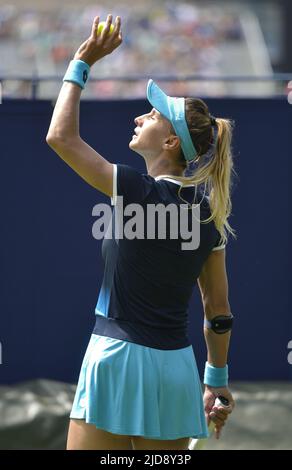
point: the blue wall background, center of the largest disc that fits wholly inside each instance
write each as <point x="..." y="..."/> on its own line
<point x="51" y="267"/>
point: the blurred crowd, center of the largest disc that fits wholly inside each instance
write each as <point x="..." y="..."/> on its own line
<point x="159" y="38"/>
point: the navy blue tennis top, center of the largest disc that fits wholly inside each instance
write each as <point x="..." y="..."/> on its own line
<point x="148" y="282"/>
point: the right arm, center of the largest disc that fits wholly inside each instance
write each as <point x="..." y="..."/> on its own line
<point x="213" y="285"/>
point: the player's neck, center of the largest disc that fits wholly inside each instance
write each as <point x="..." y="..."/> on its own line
<point x="163" y="167"/>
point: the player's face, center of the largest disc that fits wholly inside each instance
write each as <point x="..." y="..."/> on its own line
<point x="151" y="132"/>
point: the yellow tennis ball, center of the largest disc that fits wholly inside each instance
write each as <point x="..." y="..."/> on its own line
<point x="101" y="27"/>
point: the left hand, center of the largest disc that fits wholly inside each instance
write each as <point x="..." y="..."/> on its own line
<point x="217" y="415"/>
<point x="100" y="45"/>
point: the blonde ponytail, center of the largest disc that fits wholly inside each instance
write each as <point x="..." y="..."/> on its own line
<point x="220" y="180"/>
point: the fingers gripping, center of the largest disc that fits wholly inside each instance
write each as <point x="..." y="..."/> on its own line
<point x="113" y="37"/>
<point x="99" y="45"/>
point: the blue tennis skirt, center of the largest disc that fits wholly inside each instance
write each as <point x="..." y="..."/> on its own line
<point x="130" y="389"/>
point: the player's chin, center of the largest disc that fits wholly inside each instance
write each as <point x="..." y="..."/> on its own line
<point x="133" y="141"/>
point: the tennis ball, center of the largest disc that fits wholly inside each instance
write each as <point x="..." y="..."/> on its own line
<point x="101" y="27"/>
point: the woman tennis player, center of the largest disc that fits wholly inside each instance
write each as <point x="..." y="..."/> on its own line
<point x="139" y="386"/>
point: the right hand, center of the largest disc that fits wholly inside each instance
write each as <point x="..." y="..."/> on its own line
<point x="100" y="45"/>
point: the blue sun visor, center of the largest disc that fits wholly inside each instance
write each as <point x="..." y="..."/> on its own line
<point x="172" y="109"/>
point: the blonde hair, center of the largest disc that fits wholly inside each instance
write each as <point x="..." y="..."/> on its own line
<point x="214" y="160"/>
